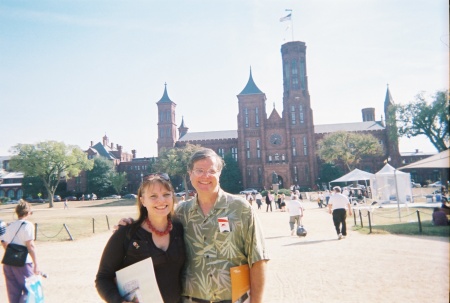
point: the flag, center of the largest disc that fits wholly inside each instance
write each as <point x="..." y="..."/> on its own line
<point x="286" y="18"/>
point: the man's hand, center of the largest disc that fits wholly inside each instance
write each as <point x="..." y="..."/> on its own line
<point x="123" y="222"/>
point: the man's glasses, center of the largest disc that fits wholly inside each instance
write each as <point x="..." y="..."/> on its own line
<point x="200" y="172"/>
<point x="163" y="176"/>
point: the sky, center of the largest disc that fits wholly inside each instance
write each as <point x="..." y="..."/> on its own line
<point x="73" y="71"/>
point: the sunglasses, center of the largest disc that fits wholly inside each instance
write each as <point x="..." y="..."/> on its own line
<point x="163" y="176"/>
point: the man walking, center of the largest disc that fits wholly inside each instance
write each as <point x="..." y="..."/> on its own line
<point x="337" y="206"/>
<point x="295" y="209"/>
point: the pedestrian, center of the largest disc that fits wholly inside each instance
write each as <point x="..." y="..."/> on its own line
<point x="258" y="198"/>
<point x="65" y="204"/>
<point x="337" y="206"/>
<point x="439" y="218"/>
<point x="283" y="202"/>
<point x="295" y="209"/>
<point x="269" y="198"/>
<point x="327" y="197"/>
<point x="20" y="232"/>
<point x="278" y="201"/>
<point x="320" y="199"/>
<point x="218" y="225"/>
<point x="154" y="234"/>
<point x="250" y="199"/>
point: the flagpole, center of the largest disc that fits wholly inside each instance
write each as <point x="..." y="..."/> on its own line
<point x="292" y="23"/>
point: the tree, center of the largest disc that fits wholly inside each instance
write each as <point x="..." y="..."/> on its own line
<point x="49" y="161"/>
<point x="348" y="147"/>
<point x="424" y="118"/>
<point x="175" y="160"/>
<point x="98" y="179"/>
<point x="231" y="179"/>
<point x="118" y="181"/>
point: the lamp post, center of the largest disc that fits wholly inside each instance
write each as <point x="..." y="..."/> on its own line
<point x="142" y="176"/>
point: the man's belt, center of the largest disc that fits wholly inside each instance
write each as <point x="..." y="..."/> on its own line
<point x="197" y="300"/>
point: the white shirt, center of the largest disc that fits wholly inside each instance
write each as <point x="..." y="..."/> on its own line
<point x="339" y="201"/>
<point x="295" y="207"/>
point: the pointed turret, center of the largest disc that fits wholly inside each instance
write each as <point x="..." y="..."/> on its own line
<point x="165" y="98"/>
<point x="388" y="101"/>
<point x="183" y="129"/>
<point x="251" y="87"/>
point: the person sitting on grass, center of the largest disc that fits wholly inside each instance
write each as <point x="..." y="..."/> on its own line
<point x="439" y="217"/>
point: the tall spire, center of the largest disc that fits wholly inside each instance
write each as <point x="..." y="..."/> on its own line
<point x="251" y="87"/>
<point x="165" y="97"/>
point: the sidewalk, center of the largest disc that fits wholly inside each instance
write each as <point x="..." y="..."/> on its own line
<point x="317" y="268"/>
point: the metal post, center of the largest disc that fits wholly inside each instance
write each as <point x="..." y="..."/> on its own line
<point x="360" y="218"/>
<point x="354" y="216"/>
<point x="35" y="231"/>
<point x="370" y="223"/>
<point x="93" y="226"/>
<point x="107" y="221"/>
<point x="67" y="229"/>
<point x="420" y="223"/>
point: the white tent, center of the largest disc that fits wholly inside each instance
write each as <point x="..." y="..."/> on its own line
<point x="390" y="184"/>
<point x="354" y="175"/>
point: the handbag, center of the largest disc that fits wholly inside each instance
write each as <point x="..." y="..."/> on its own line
<point x="15" y="254"/>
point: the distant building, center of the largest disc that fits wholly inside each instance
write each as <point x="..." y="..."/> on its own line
<point x="286" y="143"/>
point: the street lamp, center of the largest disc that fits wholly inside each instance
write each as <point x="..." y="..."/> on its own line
<point x="142" y="176"/>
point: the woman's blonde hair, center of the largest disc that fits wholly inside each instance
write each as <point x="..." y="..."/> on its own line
<point x="148" y="182"/>
<point x="23" y="208"/>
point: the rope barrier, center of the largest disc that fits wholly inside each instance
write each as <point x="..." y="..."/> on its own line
<point x="50" y="237"/>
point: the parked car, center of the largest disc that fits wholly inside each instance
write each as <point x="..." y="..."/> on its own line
<point x="435" y="184"/>
<point x="71" y="198"/>
<point x="249" y="191"/>
<point x="36" y="200"/>
<point x="191" y="193"/>
<point x="111" y="197"/>
<point x="130" y="196"/>
<point x="56" y="198"/>
<point x="415" y="185"/>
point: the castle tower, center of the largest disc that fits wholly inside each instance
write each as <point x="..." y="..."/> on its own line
<point x="298" y="116"/>
<point x="166" y="122"/>
<point x="251" y="122"/>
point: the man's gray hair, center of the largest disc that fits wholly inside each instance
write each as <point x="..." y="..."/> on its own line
<point x="203" y="154"/>
<point x="337" y="189"/>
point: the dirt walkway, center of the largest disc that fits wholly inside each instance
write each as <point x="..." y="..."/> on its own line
<point x="317" y="268"/>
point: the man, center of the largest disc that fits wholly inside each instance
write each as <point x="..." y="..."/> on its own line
<point x="337" y="205"/>
<point x="295" y="209"/>
<point x="221" y="231"/>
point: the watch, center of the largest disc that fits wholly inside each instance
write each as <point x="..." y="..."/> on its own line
<point x="275" y="139"/>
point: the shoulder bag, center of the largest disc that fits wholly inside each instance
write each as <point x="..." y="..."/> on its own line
<point x="15" y="254"/>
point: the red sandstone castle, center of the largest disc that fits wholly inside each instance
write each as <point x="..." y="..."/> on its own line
<point x="286" y="144"/>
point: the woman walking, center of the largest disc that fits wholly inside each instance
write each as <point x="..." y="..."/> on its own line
<point x="20" y="232"/>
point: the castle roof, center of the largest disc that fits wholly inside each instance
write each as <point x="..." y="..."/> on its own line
<point x="212" y="135"/>
<point x="251" y="87"/>
<point x="348" y="127"/>
<point x="324" y="128"/>
<point x="165" y="98"/>
<point x="104" y="151"/>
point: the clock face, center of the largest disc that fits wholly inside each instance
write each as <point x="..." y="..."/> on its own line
<point x="275" y="139"/>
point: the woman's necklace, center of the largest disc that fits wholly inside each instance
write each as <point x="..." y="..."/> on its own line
<point x="157" y="232"/>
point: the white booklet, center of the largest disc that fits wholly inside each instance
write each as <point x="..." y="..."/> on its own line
<point x="137" y="283"/>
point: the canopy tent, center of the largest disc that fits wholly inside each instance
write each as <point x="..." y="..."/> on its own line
<point x="391" y="184"/>
<point x="354" y="175"/>
<point x="440" y="160"/>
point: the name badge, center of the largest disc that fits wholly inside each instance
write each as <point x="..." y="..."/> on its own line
<point x="224" y="225"/>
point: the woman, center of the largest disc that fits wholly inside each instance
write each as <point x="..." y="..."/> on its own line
<point x="155" y="235"/>
<point x="20" y="232"/>
<point x="283" y="202"/>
